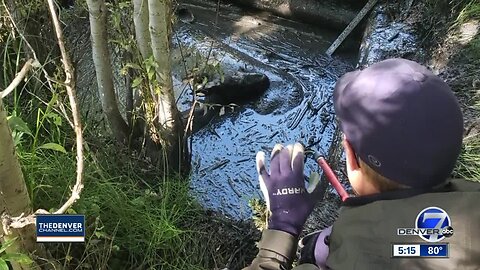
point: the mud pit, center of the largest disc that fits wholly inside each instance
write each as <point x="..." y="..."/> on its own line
<point x="296" y="107"/>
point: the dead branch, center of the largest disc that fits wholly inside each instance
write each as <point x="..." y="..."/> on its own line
<point x="26" y="67"/>
<point x="21" y="221"/>
<point x="70" y="86"/>
<point x="368" y="6"/>
<point x="188" y="126"/>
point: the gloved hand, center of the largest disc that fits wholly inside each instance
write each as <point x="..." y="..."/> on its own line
<point x="284" y="188"/>
<point x="315" y="248"/>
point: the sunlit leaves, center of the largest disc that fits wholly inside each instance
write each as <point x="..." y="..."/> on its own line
<point x="53" y="146"/>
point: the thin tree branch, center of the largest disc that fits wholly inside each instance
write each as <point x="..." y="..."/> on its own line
<point x="188" y="126"/>
<point x="70" y="86"/>
<point x="26" y="67"/>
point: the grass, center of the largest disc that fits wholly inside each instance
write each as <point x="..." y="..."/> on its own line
<point x="135" y="219"/>
<point x="470" y="10"/>
<point x="468" y="165"/>
<point x="438" y="25"/>
<point x="129" y="222"/>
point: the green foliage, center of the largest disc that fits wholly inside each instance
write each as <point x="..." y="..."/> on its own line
<point x="41" y="111"/>
<point x="468" y="165"/>
<point x="130" y="212"/>
<point x="470" y="10"/>
<point x="19" y="129"/>
<point x="120" y="23"/>
<point x="208" y="70"/>
<point x="53" y="146"/>
<point x="130" y="222"/>
<point x="6" y="256"/>
<point x="473" y="49"/>
<point x="260" y="213"/>
<point x="48" y="133"/>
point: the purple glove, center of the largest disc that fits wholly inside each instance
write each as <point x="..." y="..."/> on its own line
<point x="315" y="248"/>
<point x="284" y="188"/>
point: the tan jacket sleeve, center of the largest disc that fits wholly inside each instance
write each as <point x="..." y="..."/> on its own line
<point x="276" y="252"/>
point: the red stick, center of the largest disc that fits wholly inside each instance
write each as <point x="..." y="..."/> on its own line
<point x="332" y="178"/>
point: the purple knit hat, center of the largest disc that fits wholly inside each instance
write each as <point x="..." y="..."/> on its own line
<point x="402" y="120"/>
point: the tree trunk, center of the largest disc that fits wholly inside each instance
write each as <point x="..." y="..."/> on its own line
<point x="103" y="69"/>
<point x="140" y="20"/>
<point x="14" y="199"/>
<point x="142" y="37"/>
<point x="160" y="22"/>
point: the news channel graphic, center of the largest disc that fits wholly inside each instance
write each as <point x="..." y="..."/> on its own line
<point x="420" y="250"/>
<point x="432" y="225"/>
<point x="60" y="228"/>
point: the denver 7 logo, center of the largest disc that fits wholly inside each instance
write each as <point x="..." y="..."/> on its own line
<point x="437" y="220"/>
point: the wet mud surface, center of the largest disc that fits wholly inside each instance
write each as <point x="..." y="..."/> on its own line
<point x="386" y="37"/>
<point x="296" y="107"/>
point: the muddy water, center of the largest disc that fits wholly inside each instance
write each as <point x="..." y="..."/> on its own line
<point x="296" y="107"/>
